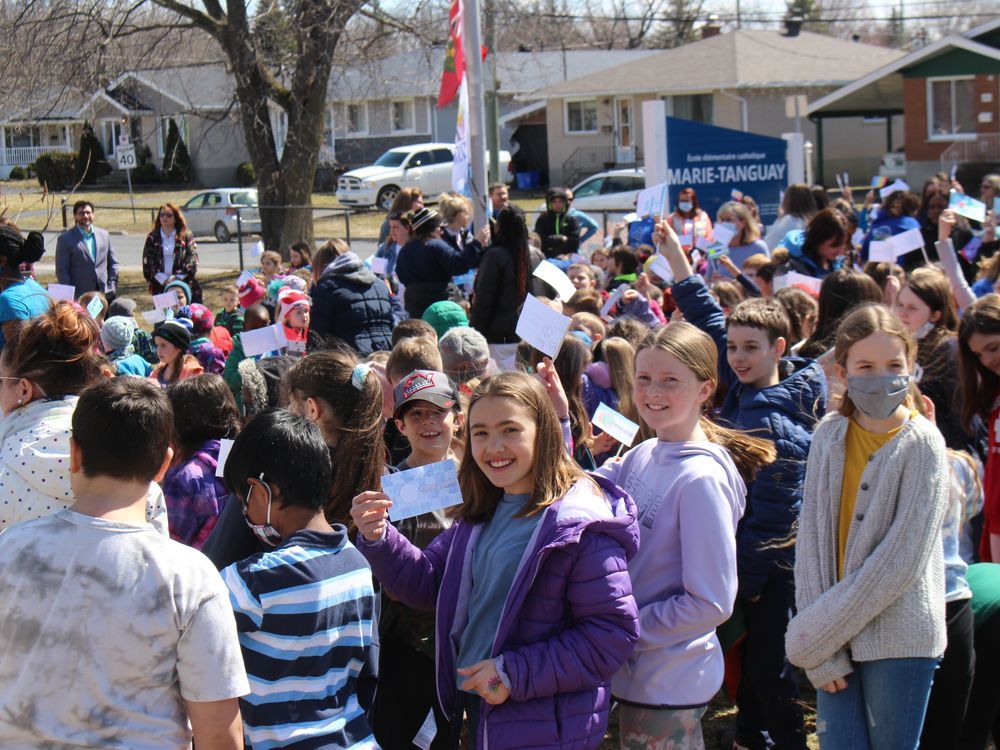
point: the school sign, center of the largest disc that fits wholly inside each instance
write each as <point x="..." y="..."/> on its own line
<point x="719" y="163"/>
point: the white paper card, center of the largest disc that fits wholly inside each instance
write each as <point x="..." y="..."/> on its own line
<point x="153" y="316"/>
<point x="62" y="292"/>
<point x="165" y="300"/>
<point x="650" y="201"/>
<point x="257" y="249"/>
<point x="263" y="340"/>
<point x="427" y="732"/>
<point x="968" y="207"/>
<point x="702" y="243"/>
<point x="629" y="218"/>
<point x="661" y="268"/>
<point x="881" y="251"/>
<point x="618" y="426"/>
<point x="423" y="489"/>
<point x="722" y="234"/>
<point x="161" y="278"/>
<point x="904" y="242"/>
<point x="685" y="240"/>
<point x="613" y="300"/>
<point x="225" y="446"/>
<point x="541" y="326"/>
<point x="806" y="282"/>
<point x="552" y="275"/>
<point x="243" y="278"/>
<point x="95" y="307"/>
<point x="890" y="189"/>
<point x="379" y="265"/>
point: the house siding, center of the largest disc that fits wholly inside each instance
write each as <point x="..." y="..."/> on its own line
<point x="919" y="147"/>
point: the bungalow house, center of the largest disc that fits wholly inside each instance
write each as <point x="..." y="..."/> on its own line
<point x="946" y="93"/>
<point x="139" y="106"/>
<point x="743" y="79"/>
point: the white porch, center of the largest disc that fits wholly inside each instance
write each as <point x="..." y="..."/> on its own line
<point x="21" y="145"/>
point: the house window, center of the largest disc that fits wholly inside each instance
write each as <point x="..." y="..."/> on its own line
<point x="20" y="137"/>
<point x="951" y="106"/>
<point x="328" y="129"/>
<point x="402" y="115"/>
<point x="696" y="107"/>
<point x="581" y="116"/>
<point x="111" y="132"/>
<point x="163" y="129"/>
<point x="357" y="119"/>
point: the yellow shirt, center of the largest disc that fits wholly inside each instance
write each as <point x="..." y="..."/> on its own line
<point x="859" y="447"/>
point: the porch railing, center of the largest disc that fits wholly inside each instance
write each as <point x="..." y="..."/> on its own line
<point x="22" y="156"/>
<point x="985" y="147"/>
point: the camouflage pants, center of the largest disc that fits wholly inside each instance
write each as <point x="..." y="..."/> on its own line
<point x="660" y="728"/>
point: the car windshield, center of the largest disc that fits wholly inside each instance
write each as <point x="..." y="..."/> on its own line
<point x="591" y="187"/>
<point x="243" y="199"/>
<point x="391" y="159"/>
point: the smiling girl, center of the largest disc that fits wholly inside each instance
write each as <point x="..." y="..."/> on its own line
<point x="690" y="494"/>
<point x="979" y="366"/>
<point x="869" y="567"/>
<point x="534" y="607"/>
<point x="172" y="339"/>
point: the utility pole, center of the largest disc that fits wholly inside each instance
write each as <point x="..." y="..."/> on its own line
<point x="492" y="104"/>
<point x="476" y="114"/>
<point x="739" y="16"/>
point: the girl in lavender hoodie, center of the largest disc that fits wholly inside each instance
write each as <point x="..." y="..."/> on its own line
<point x="534" y="608"/>
<point x="688" y="485"/>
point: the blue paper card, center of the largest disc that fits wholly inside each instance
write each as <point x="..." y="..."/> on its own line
<point x="423" y="489"/>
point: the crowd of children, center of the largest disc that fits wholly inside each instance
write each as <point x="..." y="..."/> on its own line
<point x="198" y="543"/>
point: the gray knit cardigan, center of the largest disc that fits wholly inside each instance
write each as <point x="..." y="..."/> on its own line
<point x="890" y="603"/>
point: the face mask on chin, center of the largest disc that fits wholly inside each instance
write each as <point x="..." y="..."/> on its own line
<point x="878" y="396"/>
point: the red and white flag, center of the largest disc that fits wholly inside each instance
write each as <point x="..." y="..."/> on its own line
<point x="454" y="56"/>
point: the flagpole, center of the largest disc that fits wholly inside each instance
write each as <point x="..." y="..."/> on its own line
<point x="476" y="114"/>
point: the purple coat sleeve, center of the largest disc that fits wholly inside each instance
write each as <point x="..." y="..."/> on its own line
<point x="604" y="633"/>
<point x="408" y="574"/>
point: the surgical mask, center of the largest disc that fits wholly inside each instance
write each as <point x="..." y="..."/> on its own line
<point x="923" y="330"/>
<point x="265" y="532"/>
<point x="727" y="225"/>
<point x="685" y="206"/>
<point x="878" y="396"/>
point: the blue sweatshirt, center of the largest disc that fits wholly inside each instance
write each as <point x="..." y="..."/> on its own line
<point x="689" y="497"/>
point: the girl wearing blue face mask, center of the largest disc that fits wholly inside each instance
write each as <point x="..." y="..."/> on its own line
<point x="689" y="221"/>
<point x="869" y="568"/>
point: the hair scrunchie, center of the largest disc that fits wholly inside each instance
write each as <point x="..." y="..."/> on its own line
<point x="358" y="375"/>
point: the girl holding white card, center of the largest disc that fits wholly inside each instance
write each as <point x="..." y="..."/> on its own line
<point x="534" y="607"/>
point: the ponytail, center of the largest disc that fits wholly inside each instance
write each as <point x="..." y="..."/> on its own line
<point x="750" y="454"/>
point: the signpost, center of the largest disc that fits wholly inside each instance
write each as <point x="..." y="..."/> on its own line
<point x="127" y="161"/>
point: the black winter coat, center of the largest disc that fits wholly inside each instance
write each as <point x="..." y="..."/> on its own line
<point x="353" y="304"/>
<point x="495" y="302"/>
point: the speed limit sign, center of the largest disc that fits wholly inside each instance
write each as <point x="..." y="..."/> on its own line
<point x="126" y="156"/>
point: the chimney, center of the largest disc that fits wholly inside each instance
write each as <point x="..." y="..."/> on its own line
<point x="793" y="24"/>
<point x="711" y="28"/>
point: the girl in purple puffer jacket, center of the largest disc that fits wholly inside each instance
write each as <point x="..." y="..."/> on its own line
<point x="534" y="606"/>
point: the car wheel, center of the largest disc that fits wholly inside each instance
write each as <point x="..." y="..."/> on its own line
<point x="222" y="232"/>
<point x="386" y="196"/>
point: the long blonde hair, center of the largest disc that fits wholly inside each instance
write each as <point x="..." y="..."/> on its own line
<point x="696" y="350"/>
<point x="619" y="355"/>
<point x="553" y="469"/>
<point x="861" y="323"/>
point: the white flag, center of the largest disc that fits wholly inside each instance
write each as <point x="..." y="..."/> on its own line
<point x="460" y="166"/>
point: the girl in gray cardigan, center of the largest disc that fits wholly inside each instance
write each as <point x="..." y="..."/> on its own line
<point x="869" y="569"/>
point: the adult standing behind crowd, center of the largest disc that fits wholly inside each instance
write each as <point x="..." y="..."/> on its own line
<point x="170" y="252"/>
<point x="502" y="284"/>
<point x="349" y="301"/>
<point x="407" y="200"/>
<point x="797" y="208"/>
<point x="559" y="232"/>
<point x="21" y="298"/>
<point x="689" y="221"/>
<point x="427" y="263"/>
<point x="85" y="259"/>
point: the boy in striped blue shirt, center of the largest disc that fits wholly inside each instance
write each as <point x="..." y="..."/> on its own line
<point x="305" y="609"/>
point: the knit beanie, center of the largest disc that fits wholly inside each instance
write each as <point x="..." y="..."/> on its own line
<point x="251" y="293"/>
<point x="120" y="307"/>
<point x="117" y="333"/>
<point x="174" y="332"/>
<point x="289" y="299"/>
<point x="178" y="284"/>
<point x="445" y="315"/>
<point x="201" y="318"/>
<point x="465" y="353"/>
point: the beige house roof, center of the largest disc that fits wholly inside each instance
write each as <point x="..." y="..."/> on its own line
<point x="740" y="59"/>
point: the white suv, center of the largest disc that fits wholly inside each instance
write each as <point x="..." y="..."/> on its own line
<point x="425" y="165"/>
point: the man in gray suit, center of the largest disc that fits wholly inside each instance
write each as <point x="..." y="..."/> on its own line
<point x="84" y="258"/>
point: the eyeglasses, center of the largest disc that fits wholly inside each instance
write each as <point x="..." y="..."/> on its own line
<point x="166" y="216"/>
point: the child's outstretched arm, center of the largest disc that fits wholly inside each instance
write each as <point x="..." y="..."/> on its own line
<point x="410" y="575"/>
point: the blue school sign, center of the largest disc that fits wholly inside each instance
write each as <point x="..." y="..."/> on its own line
<point x="716" y="161"/>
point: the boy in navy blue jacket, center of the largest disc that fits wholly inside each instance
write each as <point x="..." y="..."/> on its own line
<point x="781" y="399"/>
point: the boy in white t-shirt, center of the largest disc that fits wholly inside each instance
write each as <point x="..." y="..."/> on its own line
<point x="112" y="635"/>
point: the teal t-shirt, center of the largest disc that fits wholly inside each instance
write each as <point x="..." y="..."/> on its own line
<point x="495" y="561"/>
<point x="22" y="301"/>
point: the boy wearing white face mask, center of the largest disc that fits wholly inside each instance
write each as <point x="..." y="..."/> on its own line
<point x="869" y="567"/>
<point x="305" y="610"/>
